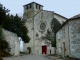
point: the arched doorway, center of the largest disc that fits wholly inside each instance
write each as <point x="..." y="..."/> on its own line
<point x="44" y="47"/>
<point x="29" y="50"/>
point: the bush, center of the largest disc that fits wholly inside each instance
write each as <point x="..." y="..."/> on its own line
<point x="22" y="53"/>
<point x="4" y="54"/>
<point x="1" y="58"/>
<point x="53" y="42"/>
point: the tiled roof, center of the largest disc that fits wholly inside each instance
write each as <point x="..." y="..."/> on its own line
<point x="72" y="18"/>
<point x="60" y="15"/>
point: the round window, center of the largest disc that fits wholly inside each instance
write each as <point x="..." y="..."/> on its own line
<point x="42" y="25"/>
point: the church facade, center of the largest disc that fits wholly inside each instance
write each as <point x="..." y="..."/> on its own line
<point x="38" y="23"/>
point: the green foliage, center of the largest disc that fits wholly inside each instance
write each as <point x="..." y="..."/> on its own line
<point x="53" y="42"/>
<point x="13" y="24"/>
<point x="3" y="12"/>
<point x="1" y="58"/>
<point x="4" y="46"/>
<point x="1" y="35"/>
<point x="22" y="52"/>
<point x="55" y="25"/>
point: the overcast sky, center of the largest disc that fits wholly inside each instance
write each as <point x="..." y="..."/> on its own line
<point x="66" y="8"/>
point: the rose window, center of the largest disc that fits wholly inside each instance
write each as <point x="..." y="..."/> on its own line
<point x="42" y="26"/>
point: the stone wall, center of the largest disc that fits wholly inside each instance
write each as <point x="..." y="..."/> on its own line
<point x="29" y="25"/>
<point x="39" y="32"/>
<point x="13" y="41"/>
<point x="62" y="39"/>
<point x="53" y="50"/>
<point x="71" y="39"/>
<point x="74" y="31"/>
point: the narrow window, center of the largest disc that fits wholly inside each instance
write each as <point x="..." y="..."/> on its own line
<point x="39" y="7"/>
<point x="36" y="6"/>
<point x="59" y="35"/>
<point x="63" y="32"/>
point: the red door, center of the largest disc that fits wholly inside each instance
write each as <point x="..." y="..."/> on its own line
<point x="44" y="49"/>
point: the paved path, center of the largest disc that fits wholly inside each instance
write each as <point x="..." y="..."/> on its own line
<point x="29" y="57"/>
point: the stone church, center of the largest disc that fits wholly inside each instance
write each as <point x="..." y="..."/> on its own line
<point x="38" y="23"/>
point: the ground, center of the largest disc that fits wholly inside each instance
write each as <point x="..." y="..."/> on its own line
<point x="29" y="57"/>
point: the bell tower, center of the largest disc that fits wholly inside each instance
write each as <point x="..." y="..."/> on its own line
<point x="31" y="9"/>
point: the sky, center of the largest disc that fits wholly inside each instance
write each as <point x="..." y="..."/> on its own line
<point x="66" y="8"/>
<point x="21" y="44"/>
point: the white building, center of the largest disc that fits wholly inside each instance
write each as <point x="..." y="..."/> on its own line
<point x="38" y="22"/>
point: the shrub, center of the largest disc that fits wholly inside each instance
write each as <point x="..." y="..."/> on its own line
<point x="1" y="58"/>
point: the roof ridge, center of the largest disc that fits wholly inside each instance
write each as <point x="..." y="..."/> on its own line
<point x="75" y="16"/>
<point x="33" y="2"/>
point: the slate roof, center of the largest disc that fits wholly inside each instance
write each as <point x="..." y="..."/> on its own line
<point x="72" y="18"/>
<point x="76" y="16"/>
<point x="60" y="15"/>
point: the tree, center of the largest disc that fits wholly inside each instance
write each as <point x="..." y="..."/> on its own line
<point x="20" y="28"/>
<point x="16" y="25"/>
<point x="13" y="24"/>
<point x="55" y="25"/>
<point x="4" y="46"/>
<point x="53" y="42"/>
<point x="3" y="12"/>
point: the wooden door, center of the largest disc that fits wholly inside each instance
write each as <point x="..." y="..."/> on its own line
<point x="63" y="49"/>
<point x="44" y="49"/>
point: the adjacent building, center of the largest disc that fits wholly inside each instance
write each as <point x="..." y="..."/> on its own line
<point x="68" y="38"/>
